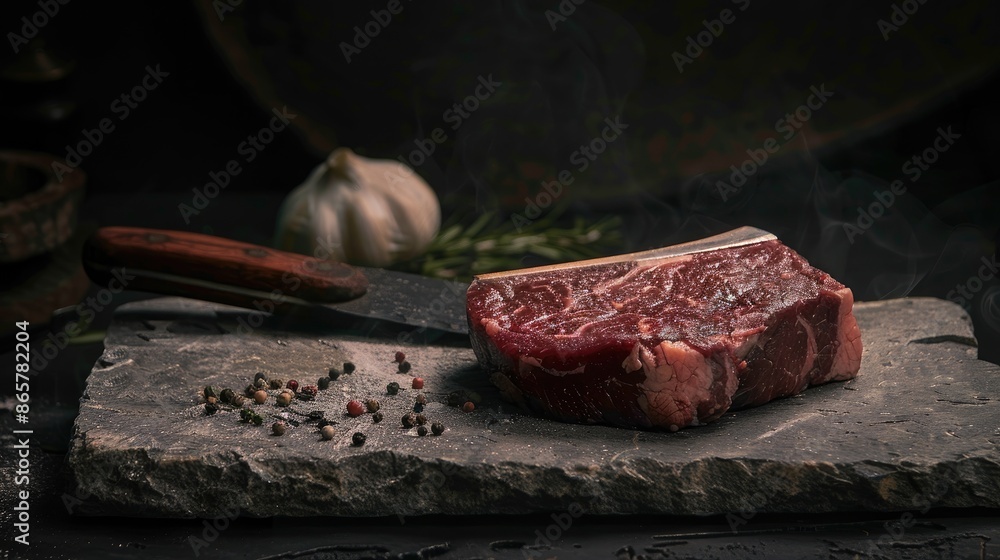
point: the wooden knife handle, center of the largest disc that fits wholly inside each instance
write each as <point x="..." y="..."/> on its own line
<point x="214" y="268"/>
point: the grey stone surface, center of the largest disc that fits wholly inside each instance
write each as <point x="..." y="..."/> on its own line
<point x="920" y="427"/>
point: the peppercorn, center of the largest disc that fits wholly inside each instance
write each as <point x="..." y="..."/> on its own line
<point x="308" y="392"/>
<point x="400" y="357"/>
<point x="372" y="405"/>
<point x="261" y="384"/>
<point x="276" y="383"/>
<point x="421" y="419"/>
<point x="418" y="383"/>
<point x="278" y="428"/>
<point x="245" y="414"/>
<point x="358" y="438"/>
<point x="211" y="400"/>
<point x="326" y="432"/>
<point x="418" y="407"/>
<point x="437" y="428"/>
<point x="292" y="384"/>
<point x="259" y="375"/>
<point x="238" y="400"/>
<point x="334" y="374"/>
<point x="421" y="399"/>
<point x="211" y="408"/>
<point x="227" y="395"/>
<point x="455" y="398"/>
<point x="392" y="388"/>
<point x="409" y="420"/>
<point x="349" y="367"/>
<point x="284" y="398"/>
<point x="422" y="431"/>
<point x="210" y="391"/>
<point x="249" y="390"/>
<point x="377" y="417"/>
<point x="324" y="383"/>
<point x="468" y="406"/>
<point x="260" y="396"/>
<point x="404" y="367"/>
<point x="354" y="408"/>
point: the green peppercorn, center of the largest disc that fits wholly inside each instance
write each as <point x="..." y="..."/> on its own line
<point x="372" y="405"/>
<point x="377" y="417"/>
<point x="227" y="395"/>
<point x="404" y="366"/>
<point x="422" y="431"/>
<point x="409" y="420"/>
<point x="323" y="383"/>
<point x="210" y="391"/>
<point x="276" y="383"/>
<point x="327" y="432"/>
<point x="437" y="428"/>
<point x="278" y="428"/>
<point x="334" y="374"/>
<point x="421" y="419"/>
<point x="257" y="419"/>
<point x="392" y="388"/>
<point x="358" y="439"/>
<point x="245" y="414"/>
<point x="349" y="367"/>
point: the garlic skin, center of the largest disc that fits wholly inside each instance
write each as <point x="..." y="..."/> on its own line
<point x="362" y="211"/>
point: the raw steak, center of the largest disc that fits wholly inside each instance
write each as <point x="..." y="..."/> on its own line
<point x="664" y="342"/>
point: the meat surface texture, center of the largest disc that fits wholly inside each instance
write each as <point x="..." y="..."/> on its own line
<point x="664" y="344"/>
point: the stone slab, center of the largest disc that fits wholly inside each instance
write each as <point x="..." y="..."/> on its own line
<point x="920" y="427"/>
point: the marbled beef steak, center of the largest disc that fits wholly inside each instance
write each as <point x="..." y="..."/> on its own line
<point x="668" y="338"/>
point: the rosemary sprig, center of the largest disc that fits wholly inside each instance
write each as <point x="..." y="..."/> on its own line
<point x="490" y="244"/>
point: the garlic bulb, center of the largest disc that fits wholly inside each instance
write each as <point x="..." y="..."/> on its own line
<point x="360" y="211"/>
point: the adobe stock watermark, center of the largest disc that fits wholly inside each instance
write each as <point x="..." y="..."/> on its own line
<point x="751" y="506"/>
<point x="965" y="292"/>
<point x="86" y="311"/>
<point x="211" y="529"/>
<point x="565" y="9"/>
<point x="561" y="523"/>
<point x="697" y="43"/>
<point x="913" y="168"/>
<point x="894" y="530"/>
<point x="456" y="115"/>
<point x="582" y="157"/>
<point x="249" y="149"/>
<point x="122" y="107"/>
<point x="364" y="34"/>
<point x="900" y="15"/>
<point x="788" y="126"/>
<point x="31" y="25"/>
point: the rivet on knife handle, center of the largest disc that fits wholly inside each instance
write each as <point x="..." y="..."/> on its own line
<point x="197" y="265"/>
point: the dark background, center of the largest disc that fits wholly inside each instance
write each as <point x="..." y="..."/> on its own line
<point x="939" y="69"/>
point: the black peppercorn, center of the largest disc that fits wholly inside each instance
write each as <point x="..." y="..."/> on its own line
<point x="227" y="395"/>
<point x="334" y="374"/>
<point x="404" y="367"/>
<point x="324" y="383"/>
<point x="392" y="388"/>
<point x="372" y="405"/>
<point x="422" y="431"/>
<point x="409" y="420"/>
<point x="421" y="419"/>
<point x="455" y="398"/>
<point x="349" y="367"/>
<point x="211" y="408"/>
<point x="259" y="375"/>
<point x="418" y="407"/>
<point x="210" y="391"/>
<point x="377" y="417"/>
<point x="437" y="428"/>
<point x="250" y="390"/>
<point x="358" y="438"/>
<point x="276" y="383"/>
